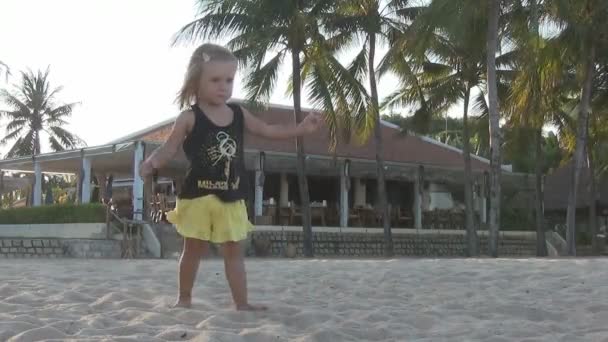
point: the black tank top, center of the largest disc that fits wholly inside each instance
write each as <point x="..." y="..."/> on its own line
<point x="217" y="158"/>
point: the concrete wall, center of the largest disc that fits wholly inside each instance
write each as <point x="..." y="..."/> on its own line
<point x="61" y="231"/>
<point x="274" y="241"/>
<point x="59" y="248"/>
<point x="361" y="244"/>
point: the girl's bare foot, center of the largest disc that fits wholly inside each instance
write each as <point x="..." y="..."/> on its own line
<point x="183" y="302"/>
<point x="251" y="307"/>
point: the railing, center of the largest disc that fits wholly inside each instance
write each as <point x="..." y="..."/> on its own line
<point x="131" y="231"/>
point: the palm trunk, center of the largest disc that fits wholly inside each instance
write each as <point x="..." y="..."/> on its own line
<point x="468" y="189"/>
<point x="495" y="161"/>
<point x="382" y="197"/>
<point x="592" y="202"/>
<point x="35" y="152"/>
<point x="581" y="141"/>
<point x="37" y="143"/>
<point x="301" y="162"/>
<point x="541" y="242"/>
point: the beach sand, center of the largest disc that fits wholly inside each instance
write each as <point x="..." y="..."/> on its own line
<point x="310" y="300"/>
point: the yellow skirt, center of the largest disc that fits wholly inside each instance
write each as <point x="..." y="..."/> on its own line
<point x="207" y="218"/>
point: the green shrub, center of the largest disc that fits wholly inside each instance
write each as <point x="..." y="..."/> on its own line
<point x="59" y="213"/>
<point x="517" y="219"/>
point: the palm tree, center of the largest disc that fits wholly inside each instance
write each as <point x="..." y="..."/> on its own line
<point x="528" y="95"/>
<point x="4" y="69"/>
<point x="33" y="110"/>
<point x="373" y="22"/>
<point x="447" y="41"/>
<point x="492" y="41"/>
<point x="583" y="36"/>
<point x="598" y="144"/>
<point x="262" y="35"/>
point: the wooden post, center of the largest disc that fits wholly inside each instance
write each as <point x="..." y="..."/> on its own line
<point x="344" y="188"/>
<point x="259" y="186"/>
<point x="2" y="187"/>
<point x="138" y="230"/>
<point x="108" y="222"/>
<point x="484" y="198"/>
<point x="418" y="189"/>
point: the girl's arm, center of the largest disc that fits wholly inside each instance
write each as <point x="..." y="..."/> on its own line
<point x="258" y="127"/>
<point x="182" y="126"/>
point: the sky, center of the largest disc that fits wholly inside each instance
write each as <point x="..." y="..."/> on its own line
<point x="113" y="57"/>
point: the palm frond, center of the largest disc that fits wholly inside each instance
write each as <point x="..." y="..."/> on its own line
<point x="12" y="135"/>
<point x="67" y="139"/>
<point x="15" y="124"/>
<point x="358" y="67"/>
<point x="23" y="146"/>
<point x="55" y="145"/>
<point x="14" y="102"/>
<point x="5" y="69"/>
<point x="260" y="83"/>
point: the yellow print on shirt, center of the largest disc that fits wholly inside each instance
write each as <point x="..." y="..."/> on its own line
<point x="225" y="150"/>
<point x="218" y="185"/>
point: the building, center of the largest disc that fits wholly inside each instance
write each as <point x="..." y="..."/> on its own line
<point x="424" y="176"/>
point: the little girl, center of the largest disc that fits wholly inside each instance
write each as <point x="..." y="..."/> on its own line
<point x="211" y="205"/>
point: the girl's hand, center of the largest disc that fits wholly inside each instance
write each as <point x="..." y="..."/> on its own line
<point x="146" y="169"/>
<point x="311" y="123"/>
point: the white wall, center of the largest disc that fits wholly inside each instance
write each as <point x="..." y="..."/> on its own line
<point x="437" y="196"/>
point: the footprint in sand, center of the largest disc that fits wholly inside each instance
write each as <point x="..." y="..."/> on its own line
<point x="178" y="333"/>
<point x="8" y="329"/>
<point x="38" y="334"/>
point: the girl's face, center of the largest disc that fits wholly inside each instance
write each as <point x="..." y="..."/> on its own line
<point x="216" y="82"/>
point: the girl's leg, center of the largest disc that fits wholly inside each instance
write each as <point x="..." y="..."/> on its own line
<point x="234" y="265"/>
<point x="194" y="249"/>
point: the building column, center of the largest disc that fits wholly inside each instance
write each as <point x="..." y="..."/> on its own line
<point x="284" y="195"/>
<point x="86" y="180"/>
<point x="344" y="201"/>
<point x="259" y="193"/>
<point x="418" y="188"/>
<point x="101" y="180"/>
<point x="360" y="193"/>
<point x="483" y="202"/>
<point x="259" y="186"/>
<point x="37" y="200"/>
<point x="138" y="182"/>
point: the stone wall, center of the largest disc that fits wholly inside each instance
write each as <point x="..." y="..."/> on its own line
<point x="59" y="248"/>
<point x="54" y="231"/>
<point x="277" y="243"/>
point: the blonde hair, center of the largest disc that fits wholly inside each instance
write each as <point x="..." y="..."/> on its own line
<point x="205" y="53"/>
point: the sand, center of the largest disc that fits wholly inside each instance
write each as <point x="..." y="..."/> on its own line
<point x="310" y="300"/>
